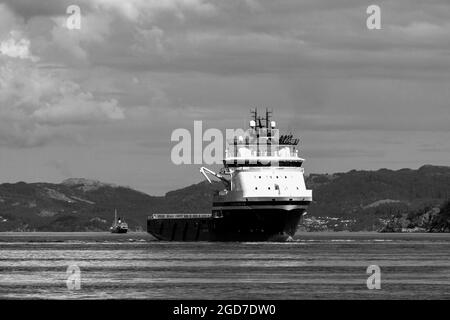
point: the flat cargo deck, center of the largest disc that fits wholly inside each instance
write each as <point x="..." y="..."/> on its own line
<point x="180" y="215"/>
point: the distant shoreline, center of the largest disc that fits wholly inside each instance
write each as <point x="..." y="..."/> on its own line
<point x="144" y="232"/>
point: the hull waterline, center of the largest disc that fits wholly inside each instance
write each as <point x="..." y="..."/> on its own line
<point x="230" y="225"/>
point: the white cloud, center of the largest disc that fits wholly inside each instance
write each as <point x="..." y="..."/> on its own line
<point x="132" y="9"/>
<point x="17" y="47"/>
<point x="38" y="104"/>
<point x="80" y="108"/>
<point x="419" y="29"/>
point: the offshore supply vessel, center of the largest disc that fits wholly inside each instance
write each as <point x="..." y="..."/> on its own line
<point x="264" y="195"/>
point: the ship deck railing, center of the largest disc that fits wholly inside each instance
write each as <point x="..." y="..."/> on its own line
<point x="253" y="150"/>
<point x="179" y="215"/>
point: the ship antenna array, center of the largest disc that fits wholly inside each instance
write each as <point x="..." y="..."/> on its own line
<point x="268" y="115"/>
<point x="258" y="119"/>
<point x="254" y="113"/>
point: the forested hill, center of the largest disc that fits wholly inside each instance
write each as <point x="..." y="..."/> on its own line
<point x="369" y="199"/>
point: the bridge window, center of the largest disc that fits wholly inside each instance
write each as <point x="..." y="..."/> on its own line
<point x="247" y="163"/>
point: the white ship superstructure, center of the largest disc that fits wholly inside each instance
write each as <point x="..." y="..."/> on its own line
<point x="263" y="175"/>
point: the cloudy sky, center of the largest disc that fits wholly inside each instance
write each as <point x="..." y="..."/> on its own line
<point x="101" y="102"/>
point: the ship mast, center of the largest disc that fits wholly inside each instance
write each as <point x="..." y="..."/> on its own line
<point x="268" y="115"/>
<point x="254" y="114"/>
<point x="259" y="120"/>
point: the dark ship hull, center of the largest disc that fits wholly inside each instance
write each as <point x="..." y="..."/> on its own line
<point x="228" y="225"/>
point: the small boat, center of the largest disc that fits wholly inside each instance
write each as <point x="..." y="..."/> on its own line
<point x="119" y="225"/>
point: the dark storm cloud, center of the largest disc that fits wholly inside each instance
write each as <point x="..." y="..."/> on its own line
<point x="28" y="9"/>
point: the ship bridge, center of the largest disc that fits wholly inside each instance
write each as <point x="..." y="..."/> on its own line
<point x="260" y="165"/>
<point x="263" y="164"/>
<point x="261" y="145"/>
<point x="261" y="155"/>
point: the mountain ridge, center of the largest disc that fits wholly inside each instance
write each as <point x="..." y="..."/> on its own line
<point x="368" y="198"/>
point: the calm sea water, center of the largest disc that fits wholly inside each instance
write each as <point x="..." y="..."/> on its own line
<point x="315" y="266"/>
